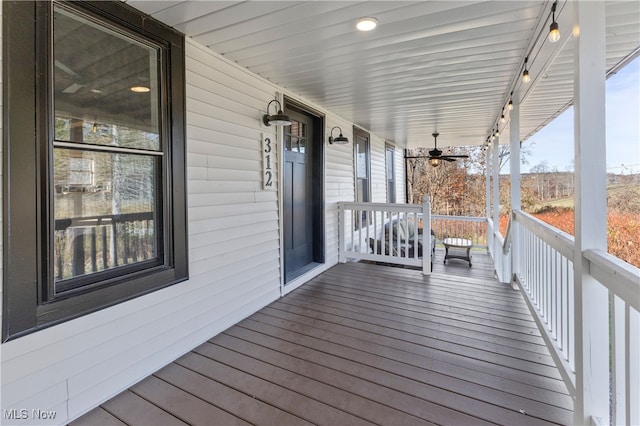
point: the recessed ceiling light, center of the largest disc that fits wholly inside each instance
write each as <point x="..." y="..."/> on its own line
<point x="366" y="24"/>
<point x="140" y="89"/>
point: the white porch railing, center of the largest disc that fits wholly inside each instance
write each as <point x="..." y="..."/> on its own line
<point x="470" y="228"/>
<point x="369" y="231"/>
<point x="544" y="268"/>
<point x="500" y="249"/>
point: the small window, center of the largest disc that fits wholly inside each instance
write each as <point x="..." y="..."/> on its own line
<point x="104" y="173"/>
<point x="390" y="160"/>
<point x="363" y="165"/>
<point x="363" y="174"/>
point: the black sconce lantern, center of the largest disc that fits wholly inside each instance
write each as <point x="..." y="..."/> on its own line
<point x="279" y="119"/>
<point x="339" y="139"/>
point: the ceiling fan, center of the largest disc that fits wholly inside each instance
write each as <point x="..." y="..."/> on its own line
<point x="435" y="155"/>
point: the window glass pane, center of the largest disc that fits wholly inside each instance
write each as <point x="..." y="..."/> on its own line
<point x="105" y="211"/>
<point x="295" y="128"/>
<point x="105" y="85"/>
<point x="361" y="156"/>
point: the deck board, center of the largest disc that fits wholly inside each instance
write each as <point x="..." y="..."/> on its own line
<point x="365" y="344"/>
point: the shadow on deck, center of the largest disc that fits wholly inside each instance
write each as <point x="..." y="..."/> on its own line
<point x="364" y="344"/>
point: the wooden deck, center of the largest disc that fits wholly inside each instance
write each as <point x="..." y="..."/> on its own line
<point x="364" y="344"/>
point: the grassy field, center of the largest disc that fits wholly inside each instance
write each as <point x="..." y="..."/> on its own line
<point x="620" y="197"/>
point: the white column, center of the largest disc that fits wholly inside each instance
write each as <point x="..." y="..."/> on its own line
<point x="488" y="195"/>
<point x="488" y="181"/>
<point x="591" y="298"/>
<point x="514" y="165"/>
<point x="426" y="236"/>
<point x="496" y="184"/>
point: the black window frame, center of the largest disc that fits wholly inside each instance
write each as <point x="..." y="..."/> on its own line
<point x="27" y="202"/>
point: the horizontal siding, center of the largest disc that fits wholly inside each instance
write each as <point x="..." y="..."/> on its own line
<point x="339" y="184"/>
<point x="378" y="170"/>
<point x="234" y="253"/>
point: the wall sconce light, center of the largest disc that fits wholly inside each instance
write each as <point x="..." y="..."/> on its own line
<point x="279" y="119"/>
<point x="525" y="74"/>
<point x="554" y="31"/>
<point x="434" y="162"/>
<point x="340" y="139"/>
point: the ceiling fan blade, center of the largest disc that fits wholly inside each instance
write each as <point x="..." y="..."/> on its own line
<point x="422" y="156"/>
<point x="456" y="156"/>
<point x="66" y="69"/>
<point x="73" y="88"/>
<point x="449" y="159"/>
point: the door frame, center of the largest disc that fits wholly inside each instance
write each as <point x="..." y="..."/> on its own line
<point x="318" y="201"/>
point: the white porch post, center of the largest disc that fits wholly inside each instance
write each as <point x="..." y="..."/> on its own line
<point x="488" y="190"/>
<point x="426" y="236"/>
<point x="591" y="299"/>
<point x="496" y="186"/>
<point x="514" y="165"/>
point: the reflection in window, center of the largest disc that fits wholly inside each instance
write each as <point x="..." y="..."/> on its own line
<point x="96" y="71"/>
<point x="106" y="150"/>
<point x="295" y="137"/>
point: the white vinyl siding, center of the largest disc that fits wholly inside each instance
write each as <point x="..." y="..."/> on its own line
<point x="378" y="170"/>
<point x="234" y="260"/>
<point x="339" y="184"/>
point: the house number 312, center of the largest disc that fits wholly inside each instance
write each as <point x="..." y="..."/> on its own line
<point x="267" y="164"/>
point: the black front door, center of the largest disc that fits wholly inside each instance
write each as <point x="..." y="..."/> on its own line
<point x="298" y="201"/>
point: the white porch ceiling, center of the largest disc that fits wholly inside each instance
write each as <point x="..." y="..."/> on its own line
<point x="445" y="65"/>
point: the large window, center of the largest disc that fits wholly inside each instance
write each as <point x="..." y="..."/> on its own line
<point x="95" y="191"/>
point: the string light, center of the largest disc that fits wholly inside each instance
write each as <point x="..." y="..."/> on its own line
<point x="554" y="30"/>
<point x="525" y="74"/>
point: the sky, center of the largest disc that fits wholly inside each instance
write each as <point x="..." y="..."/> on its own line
<point x="554" y="143"/>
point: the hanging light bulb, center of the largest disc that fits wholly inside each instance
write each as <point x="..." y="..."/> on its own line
<point x="510" y="104"/>
<point x="502" y="119"/>
<point x="497" y="131"/>
<point x="525" y="74"/>
<point x="554" y="30"/>
<point x="94" y="128"/>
